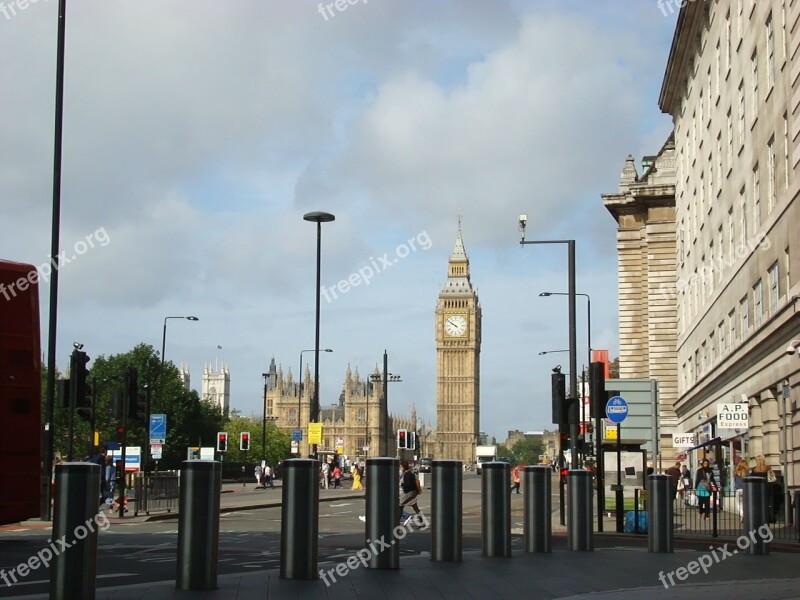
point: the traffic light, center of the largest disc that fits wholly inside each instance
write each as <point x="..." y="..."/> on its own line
<point x="63" y="393"/>
<point x="402" y="439"/>
<point x="412" y="440"/>
<point x="85" y="402"/>
<point x="244" y="441"/>
<point x="222" y="442"/>
<point x="142" y="403"/>
<point x="558" y="386"/>
<point x="120" y="434"/>
<point x="118" y="405"/>
<point x="597" y="389"/>
<point x="132" y="392"/>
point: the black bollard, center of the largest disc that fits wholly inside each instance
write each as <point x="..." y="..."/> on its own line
<point x="538" y="524"/>
<point x="383" y="512"/>
<point x="659" y="514"/>
<point x="496" y="509"/>
<point x="300" y="518"/>
<point x="579" y="506"/>
<point x="446" y="533"/>
<point x="198" y="525"/>
<point x="76" y="520"/>
<point x="755" y="513"/>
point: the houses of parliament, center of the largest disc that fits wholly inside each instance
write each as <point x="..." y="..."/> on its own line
<point x="359" y="424"/>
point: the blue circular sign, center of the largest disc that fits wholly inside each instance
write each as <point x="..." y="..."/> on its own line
<point x="616" y="409"/>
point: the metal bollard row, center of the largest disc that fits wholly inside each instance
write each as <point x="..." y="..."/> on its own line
<point x="383" y="511"/>
<point x="755" y="512"/>
<point x="446" y="502"/>
<point x="300" y="518"/>
<point x="659" y="514"/>
<point x="496" y="509"/>
<point x="537" y="523"/>
<point x="579" y="507"/>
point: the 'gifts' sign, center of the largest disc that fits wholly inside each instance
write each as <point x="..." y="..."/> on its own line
<point x="684" y="440"/>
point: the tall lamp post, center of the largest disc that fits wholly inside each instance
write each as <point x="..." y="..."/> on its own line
<point x="300" y="383"/>
<point x="385" y="378"/>
<point x="266" y="377"/>
<point x="318" y="217"/>
<point x="161" y="371"/>
<point x="573" y="357"/>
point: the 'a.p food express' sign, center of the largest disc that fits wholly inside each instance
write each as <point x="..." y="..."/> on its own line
<point x="732" y="415"/>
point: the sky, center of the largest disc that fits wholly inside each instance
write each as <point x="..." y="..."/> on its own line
<point x="198" y="133"/>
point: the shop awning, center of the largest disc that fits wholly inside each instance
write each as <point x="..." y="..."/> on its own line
<point x="715" y="440"/>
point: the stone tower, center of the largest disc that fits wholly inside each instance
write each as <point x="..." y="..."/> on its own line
<point x="458" y="346"/>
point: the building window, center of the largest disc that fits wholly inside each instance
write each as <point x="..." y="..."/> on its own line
<point x="773" y="288"/>
<point x="720" y="248"/>
<point x="785" y="151"/>
<point x="729" y="153"/>
<point x="743" y="213"/>
<point x="712" y="349"/>
<point x="731" y="237"/>
<point x="732" y="328"/>
<point x="744" y="317"/>
<point x="292" y="417"/>
<point x="696" y="364"/>
<point x="728" y="40"/>
<point x="741" y="114"/>
<point x="754" y="84"/>
<point x="719" y="160"/>
<point x="771" y="175"/>
<point x="758" y="304"/>
<point x="756" y="198"/>
<point x="770" y="53"/>
<point x="786" y="262"/>
<point x="361" y="415"/>
<point x="739" y="20"/>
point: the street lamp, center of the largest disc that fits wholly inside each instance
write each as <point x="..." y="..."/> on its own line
<point x="161" y="372"/>
<point x="300" y="382"/>
<point x="266" y="377"/>
<point x="385" y="378"/>
<point x="319" y="218"/>
<point x="573" y="358"/>
<point x="543" y="352"/>
<point x="588" y="317"/>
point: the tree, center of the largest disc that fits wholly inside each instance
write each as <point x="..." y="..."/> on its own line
<point x="526" y="451"/>
<point x="278" y="442"/>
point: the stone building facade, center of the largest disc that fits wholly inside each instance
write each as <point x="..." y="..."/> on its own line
<point x="216" y="386"/>
<point x="644" y="208"/>
<point x="356" y="420"/>
<point x="732" y="87"/>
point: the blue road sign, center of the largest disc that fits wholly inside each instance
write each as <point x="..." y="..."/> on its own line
<point x="616" y="409"/>
<point x="158" y="428"/>
<point x="297" y="435"/>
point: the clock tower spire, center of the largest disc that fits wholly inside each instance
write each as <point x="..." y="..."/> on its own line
<point x="458" y="344"/>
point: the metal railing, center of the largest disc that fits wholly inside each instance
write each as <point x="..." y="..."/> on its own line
<point x="156" y="493"/>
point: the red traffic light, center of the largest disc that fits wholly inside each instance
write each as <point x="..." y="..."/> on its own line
<point x="564" y="472"/>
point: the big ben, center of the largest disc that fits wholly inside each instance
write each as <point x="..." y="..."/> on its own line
<point x="458" y="348"/>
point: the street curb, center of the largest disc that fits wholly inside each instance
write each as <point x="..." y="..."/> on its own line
<point x="230" y="509"/>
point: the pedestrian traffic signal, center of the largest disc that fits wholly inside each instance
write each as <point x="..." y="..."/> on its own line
<point x="559" y="401"/>
<point x="131" y="391"/>
<point x="142" y="404"/>
<point x="597" y="389"/>
<point x="244" y="441"/>
<point x="85" y="408"/>
<point x="402" y="439"/>
<point x="222" y="442"/>
<point x="412" y="440"/>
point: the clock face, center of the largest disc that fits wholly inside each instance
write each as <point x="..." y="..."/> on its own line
<point x="455" y="325"/>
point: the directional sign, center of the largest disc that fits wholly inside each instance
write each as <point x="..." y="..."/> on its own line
<point x="315" y="433"/>
<point x="158" y="429"/>
<point x="297" y="435"/>
<point x="617" y="409"/>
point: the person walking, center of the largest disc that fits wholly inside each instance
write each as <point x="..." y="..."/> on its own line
<point x="259" y="474"/>
<point x="674" y="473"/>
<point x="704" y="484"/>
<point x="739" y="473"/>
<point x="268" y="477"/>
<point x="326" y="474"/>
<point x="357" y="478"/>
<point x="337" y="477"/>
<point x="409" y="487"/>
<point x="515" y="479"/>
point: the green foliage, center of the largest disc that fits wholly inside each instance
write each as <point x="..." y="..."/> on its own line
<point x="527" y="451"/>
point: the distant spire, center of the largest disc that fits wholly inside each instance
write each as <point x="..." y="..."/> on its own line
<point x="458" y="254"/>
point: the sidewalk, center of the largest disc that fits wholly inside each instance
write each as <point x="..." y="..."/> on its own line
<point x="606" y="573"/>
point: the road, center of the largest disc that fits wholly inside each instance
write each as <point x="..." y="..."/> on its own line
<point x="134" y="551"/>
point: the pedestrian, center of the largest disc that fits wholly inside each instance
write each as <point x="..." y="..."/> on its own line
<point x="326" y="470"/>
<point x="705" y="485"/>
<point x="409" y="486"/>
<point x="99" y="459"/>
<point x="337" y="477"/>
<point x="515" y="479"/>
<point x="761" y="468"/>
<point x="357" y="478"/>
<point x="739" y="473"/>
<point x="674" y="473"/>
<point x="268" y="477"/>
<point x="259" y="474"/>
<point x="110" y="477"/>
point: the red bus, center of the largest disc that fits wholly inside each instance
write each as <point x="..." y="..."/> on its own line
<point x="20" y="392"/>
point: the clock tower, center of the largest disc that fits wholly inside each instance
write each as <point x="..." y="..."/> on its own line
<point x="458" y="347"/>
